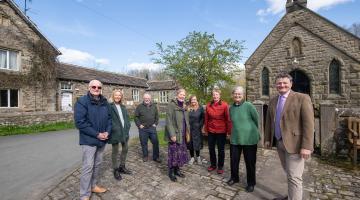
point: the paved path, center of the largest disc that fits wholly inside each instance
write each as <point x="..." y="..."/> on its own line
<point x="31" y="163"/>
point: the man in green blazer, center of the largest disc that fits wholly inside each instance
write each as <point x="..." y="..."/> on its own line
<point x="290" y="118"/>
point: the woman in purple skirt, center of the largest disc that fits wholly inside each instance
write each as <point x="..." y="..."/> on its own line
<point x="177" y="125"/>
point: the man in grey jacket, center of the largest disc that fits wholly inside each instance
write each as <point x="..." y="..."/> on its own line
<point x="146" y="119"/>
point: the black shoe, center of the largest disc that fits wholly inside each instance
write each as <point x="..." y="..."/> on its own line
<point x="172" y="175"/>
<point x="145" y="159"/>
<point x="231" y="182"/>
<point x="123" y="170"/>
<point x="117" y="174"/>
<point x="157" y="160"/>
<point x="281" y="198"/>
<point x="249" y="188"/>
<point x="178" y="173"/>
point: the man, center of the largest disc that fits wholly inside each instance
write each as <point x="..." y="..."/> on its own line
<point x="290" y="118"/>
<point x="146" y="119"/>
<point x="93" y="120"/>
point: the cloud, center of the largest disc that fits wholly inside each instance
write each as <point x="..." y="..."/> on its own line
<point x="140" y="66"/>
<point x="77" y="57"/>
<point x="276" y="7"/>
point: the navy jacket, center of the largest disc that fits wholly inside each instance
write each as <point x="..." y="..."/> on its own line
<point x="91" y="118"/>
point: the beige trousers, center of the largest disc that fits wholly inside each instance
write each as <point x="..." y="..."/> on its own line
<point x="293" y="165"/>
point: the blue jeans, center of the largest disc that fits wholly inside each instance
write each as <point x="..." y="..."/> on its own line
<point x="144" y="135"/>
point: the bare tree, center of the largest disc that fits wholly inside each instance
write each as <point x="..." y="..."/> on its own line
<point x="355" y="29"/>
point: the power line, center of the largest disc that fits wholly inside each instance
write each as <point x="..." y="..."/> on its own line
<point x="115" y="21"/>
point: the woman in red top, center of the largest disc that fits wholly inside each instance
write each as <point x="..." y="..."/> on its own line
<point x="217" y="127"/>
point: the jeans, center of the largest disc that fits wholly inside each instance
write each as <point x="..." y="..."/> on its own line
<point x="92" y="157"/>
<point x="144" y="135"/>
<point x="219" y="140"/>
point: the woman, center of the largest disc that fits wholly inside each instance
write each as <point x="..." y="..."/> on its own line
<point x="119" y="133"/>
<point x="217" y="127"/>
<point x="196" y="120"/>
<point x="244" y="138"/>
<point x="177" y="126"/>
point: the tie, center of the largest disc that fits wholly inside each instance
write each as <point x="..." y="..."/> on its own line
<point x="279" y="109"/>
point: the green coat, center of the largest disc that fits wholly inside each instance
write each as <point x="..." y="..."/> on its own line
<point x="118" y="132"/>
<point x="174" y="122"/>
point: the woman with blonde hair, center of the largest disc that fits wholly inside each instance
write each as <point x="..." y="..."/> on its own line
<point x="177" y="127"/>
<point x="196" y="121"/>
<point x="119" y="133"/>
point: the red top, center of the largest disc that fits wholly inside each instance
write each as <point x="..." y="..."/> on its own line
<point x="217" y="118"/>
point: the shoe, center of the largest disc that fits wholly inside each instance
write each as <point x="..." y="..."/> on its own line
<point x="220" y="171"/>
<point x="157" y="160"/>
<point x="123" y="170"/>
<point x="117" y="175"/>
<point x="191" y="161"/>
<point x="178" y="173"/>
<point x="281" y="198"/>
<point x="98" y="189"/>
<point x="172" y="175"/>
<point x="145" y="159"/>
<point x="198" y="160"/>
<point x="86" y="198"/>
<point x="249" y="188"/>
<point x="211" y="168"/>
<point x="231" y="182"/>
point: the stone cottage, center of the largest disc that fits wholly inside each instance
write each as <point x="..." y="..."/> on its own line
<point x="322" y="57"/>
<point x="162" y="92"/>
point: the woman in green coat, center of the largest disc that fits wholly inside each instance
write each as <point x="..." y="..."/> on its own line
<point x="119" y="133"/>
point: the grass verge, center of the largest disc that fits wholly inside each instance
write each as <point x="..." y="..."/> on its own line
<point x="16" y="130"/>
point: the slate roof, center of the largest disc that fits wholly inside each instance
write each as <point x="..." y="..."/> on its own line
<point x="162" y="85"/>
<point x="77" y="73"/>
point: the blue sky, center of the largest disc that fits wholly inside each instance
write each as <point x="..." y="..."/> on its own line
<point x="117" y="35"/>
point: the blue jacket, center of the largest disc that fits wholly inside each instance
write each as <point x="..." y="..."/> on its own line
<point x="91" y="118"/>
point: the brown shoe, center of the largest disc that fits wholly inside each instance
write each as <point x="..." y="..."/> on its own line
<point x="86" y="198"/>
<point x="98" y="189"/>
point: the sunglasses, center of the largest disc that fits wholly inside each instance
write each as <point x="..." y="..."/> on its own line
<point x="94" y="87"/>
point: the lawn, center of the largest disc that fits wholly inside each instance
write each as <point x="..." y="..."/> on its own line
<point x="36" y="128"/>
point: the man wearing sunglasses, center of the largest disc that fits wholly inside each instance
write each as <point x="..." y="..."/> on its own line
<point x="93" y="120"/>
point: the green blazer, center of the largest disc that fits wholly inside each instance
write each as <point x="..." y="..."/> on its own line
<point x="118" y="132"/>
<point x="174" y="122"/>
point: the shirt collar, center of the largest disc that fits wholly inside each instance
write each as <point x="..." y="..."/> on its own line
<point x="286" y="94"/>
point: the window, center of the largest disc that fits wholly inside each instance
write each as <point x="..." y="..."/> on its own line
<point x="8" y="59"/>
<point x="334" y="77"/>
<point x="9" y="98"/>
<point x="135" y="95"/>
<point x="296" y="44"/>
<point x="65" y="86"/>
<point x="265" y="82"/>
<point x="164" y="96"/>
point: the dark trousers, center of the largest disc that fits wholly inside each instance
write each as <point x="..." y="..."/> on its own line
<point x="219" y="140"/>
<point x="144" y="135"/>
<point x="250" y="162"/>
<point x="192" y="153"/>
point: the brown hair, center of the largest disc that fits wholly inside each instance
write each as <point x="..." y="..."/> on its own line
<point x="113" y="94"/>
<point x="284" y="75"/>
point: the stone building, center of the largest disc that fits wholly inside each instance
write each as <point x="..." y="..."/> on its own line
<point x="162" y="92"/>
<point x="322" y="57"/>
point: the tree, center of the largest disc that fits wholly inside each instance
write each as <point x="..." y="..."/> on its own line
<point x="355" y="29"/>
<point x="149" y="74"/>
<point x="199" y="62"/>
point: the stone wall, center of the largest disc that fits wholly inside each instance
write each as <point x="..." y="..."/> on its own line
<point x="30" y="118"/>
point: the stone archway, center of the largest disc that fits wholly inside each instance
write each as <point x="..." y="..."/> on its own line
<point x="301" y="82"/>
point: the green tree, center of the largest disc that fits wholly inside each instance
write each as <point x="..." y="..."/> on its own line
<point x="199" y="62"/>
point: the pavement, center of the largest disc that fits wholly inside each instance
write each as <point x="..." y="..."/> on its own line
<point x="322" y="180"/>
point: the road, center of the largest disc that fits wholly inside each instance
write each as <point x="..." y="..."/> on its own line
<point x="31" y="163"/>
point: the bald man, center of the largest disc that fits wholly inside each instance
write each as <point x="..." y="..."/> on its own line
<point x="93" y="120"/>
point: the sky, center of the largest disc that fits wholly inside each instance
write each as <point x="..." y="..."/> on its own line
<point x="118" y="35"/>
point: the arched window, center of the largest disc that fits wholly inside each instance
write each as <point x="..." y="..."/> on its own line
<point x="296" y="46"/>
<point x="334" y="77"/>
<point x="265" y="81"/>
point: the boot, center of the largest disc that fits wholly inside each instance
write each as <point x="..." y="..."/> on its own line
<point x="117" y="174"/>
<point x="123" y="170"/>
<point x="178" y="173"/>
<point x="172" y="174"/>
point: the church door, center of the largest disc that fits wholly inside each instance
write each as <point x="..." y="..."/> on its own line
<point x="301" y="82"/>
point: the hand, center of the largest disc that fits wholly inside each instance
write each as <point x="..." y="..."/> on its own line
<point x="267" y="144"/>
<point x="106" y="135"/>
<point x="228" y="137"/>
<point x="305" y="153"/>
<point x="101" y="136"/>
<point x="173" y="138"/>
<point x="154" y="125"/>
<point x="141" y="126"/>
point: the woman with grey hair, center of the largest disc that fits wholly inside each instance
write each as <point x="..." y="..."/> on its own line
<point x="244" y="138"/>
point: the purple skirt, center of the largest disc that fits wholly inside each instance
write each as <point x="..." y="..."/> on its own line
<point x="177" y="155"/>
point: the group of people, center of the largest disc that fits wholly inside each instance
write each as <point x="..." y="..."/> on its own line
<point x="289" y="126"/>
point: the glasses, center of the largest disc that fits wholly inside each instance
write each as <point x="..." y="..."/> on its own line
<point x="94" y="87"/>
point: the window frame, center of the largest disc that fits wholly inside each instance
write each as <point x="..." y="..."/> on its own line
<point x="7" y="60"/>
<point x="330" y="80"/>
<point x="9" y="98"/>
<point x="262" y="82"/>
<point x="135" y="94"/>
<point x="163" y="96"/>
<point x="65" y="84"/>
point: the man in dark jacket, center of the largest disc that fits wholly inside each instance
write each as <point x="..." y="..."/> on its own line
<point x="93" y="120"/>
<point x="146" y="119"/>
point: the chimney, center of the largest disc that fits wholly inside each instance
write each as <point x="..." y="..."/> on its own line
<point x="294" y="5"/>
